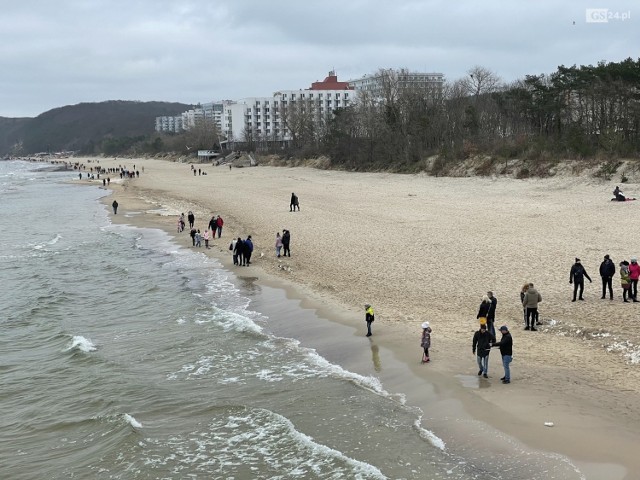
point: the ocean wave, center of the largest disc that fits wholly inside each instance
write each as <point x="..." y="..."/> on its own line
<point x="42" y="245"/>
<point x="428" y="435"/>
<point x="82" y="344"/>
<point x="258" y="441"/>
<point x="132" y="421"/>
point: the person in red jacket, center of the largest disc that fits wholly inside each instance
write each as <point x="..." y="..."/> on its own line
<point x="219" y="224"/>
<point x="634" y="274"/>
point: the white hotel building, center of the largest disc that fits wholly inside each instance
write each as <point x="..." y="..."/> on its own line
<point x="263" y="118"/>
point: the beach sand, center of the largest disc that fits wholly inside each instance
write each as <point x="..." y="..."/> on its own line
<point x="424" y="248"/>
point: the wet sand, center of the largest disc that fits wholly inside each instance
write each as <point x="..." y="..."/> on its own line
<point x="421" y="248"/>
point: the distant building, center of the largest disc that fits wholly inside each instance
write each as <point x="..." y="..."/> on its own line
<point x="264" y="119"/>
<point x="169" y="124"/>
<point x="374" y="83"/>
<point x="268" y="120"/>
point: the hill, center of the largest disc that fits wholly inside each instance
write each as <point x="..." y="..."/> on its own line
<point x="78" y="127"/>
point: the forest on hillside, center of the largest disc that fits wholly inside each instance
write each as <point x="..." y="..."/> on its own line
<point x="87" y="127"/>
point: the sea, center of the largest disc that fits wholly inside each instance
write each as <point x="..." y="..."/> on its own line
<point x="125" y="355"/>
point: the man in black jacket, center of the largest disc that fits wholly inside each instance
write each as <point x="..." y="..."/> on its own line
<point x="607" y="271"/>
<point x="576" y="276"/>
<point x="482" y="341"/>
<point x="506" y="350"/>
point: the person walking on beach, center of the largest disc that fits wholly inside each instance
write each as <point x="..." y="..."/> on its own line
<point x="523" y="291"/>
<point x="115" y="207"/>
<point x="491" y="315"/>
<point x="198" y="239"/>
<point x="205" y="235"/>
<point x="481" y="347"/>
<point x="286" y="241"/>
<point x="483" y="310"/>
<point x="530" y="302"/>
<point x="219" y="224"/>
<point x="192" y="218"/>
<point x="425" y="342"/>
<point x="625" y="282"/>
<point x="181" y="223"/>
<point x="213" y="226"/>
<point x="238" y="252"/>
<point x="278" y="244"/>
<point x="576" y="276"/>
<point x="506" y="350"/>
<point x="607" y="271"/>
<point x="248" y="250"/>
<point x="368" y="317"/>
<point x="634" y="275"/>
<point x="192" y="233"/>
<point x="294" y="203"/>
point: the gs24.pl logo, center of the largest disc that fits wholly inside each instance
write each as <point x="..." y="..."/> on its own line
<point x="604" y="15"/>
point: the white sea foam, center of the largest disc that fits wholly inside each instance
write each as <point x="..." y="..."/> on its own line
<point x="267" y="437"/>
<point x="78" y="342"/>
<point x="132" y="421"/>
<point x="53" y="241"/>
<point x="429" y="435"/>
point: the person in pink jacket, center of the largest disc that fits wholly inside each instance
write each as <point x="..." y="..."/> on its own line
<point x="634" y="274"/>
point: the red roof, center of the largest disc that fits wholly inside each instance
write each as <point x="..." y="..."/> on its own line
<point x="331" y="83"/>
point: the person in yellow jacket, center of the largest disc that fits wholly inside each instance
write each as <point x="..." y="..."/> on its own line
<point x="369" y="317"/>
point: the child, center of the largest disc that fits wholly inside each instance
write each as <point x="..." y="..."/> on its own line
<point x="198" y="239"/>
<point x="425" y="343"/>
<point x="206" y="238"/>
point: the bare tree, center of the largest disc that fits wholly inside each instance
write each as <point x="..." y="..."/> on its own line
<point x="481" y="80"/>
<point x="203" y="135"/>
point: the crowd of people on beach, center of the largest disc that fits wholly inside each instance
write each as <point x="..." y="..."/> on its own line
<point x="484" y="339"/>
<point x="241" y="249"/>
<point x="629" y="275"/>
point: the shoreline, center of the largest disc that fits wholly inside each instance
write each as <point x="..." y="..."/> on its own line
<point x="598" y="446"/>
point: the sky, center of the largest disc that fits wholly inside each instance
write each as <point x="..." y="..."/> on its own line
<point x="64" y="52"/>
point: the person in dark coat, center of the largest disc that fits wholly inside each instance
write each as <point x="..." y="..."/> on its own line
<point x="248" y="250"/>
<point x="191" y="218"/>
<point x="506" y="350"/>
<point x="483" y="310"/>
<point x="286" y="240"/>
<point x="238" y="251"/>
<point x="481" y="347"/>
<point x="491" y="316"/>
<point x="607" y="271"/>
<point x="192" y="233"/>
<point x="294" y="203"/>
<point x="213" y="226"/>
<point x="115" y="207"/>
<point x="576" y="276"/>
<point x="425" y="342"/>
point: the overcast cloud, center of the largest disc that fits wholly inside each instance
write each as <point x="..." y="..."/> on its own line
<point x="56" y="53"/>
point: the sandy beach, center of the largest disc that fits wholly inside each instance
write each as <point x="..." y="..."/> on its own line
<point x="423" y="248"/>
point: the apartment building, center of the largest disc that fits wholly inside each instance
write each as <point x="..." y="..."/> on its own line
<point x="374" y="84"/>
<point x="265" y="118"/>
<point x="268" y="119"/>
<point x="169" y="124"/>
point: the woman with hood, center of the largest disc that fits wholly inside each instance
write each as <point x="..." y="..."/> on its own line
<point x="634" y="275"/>
<point x="425" y="342"/>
